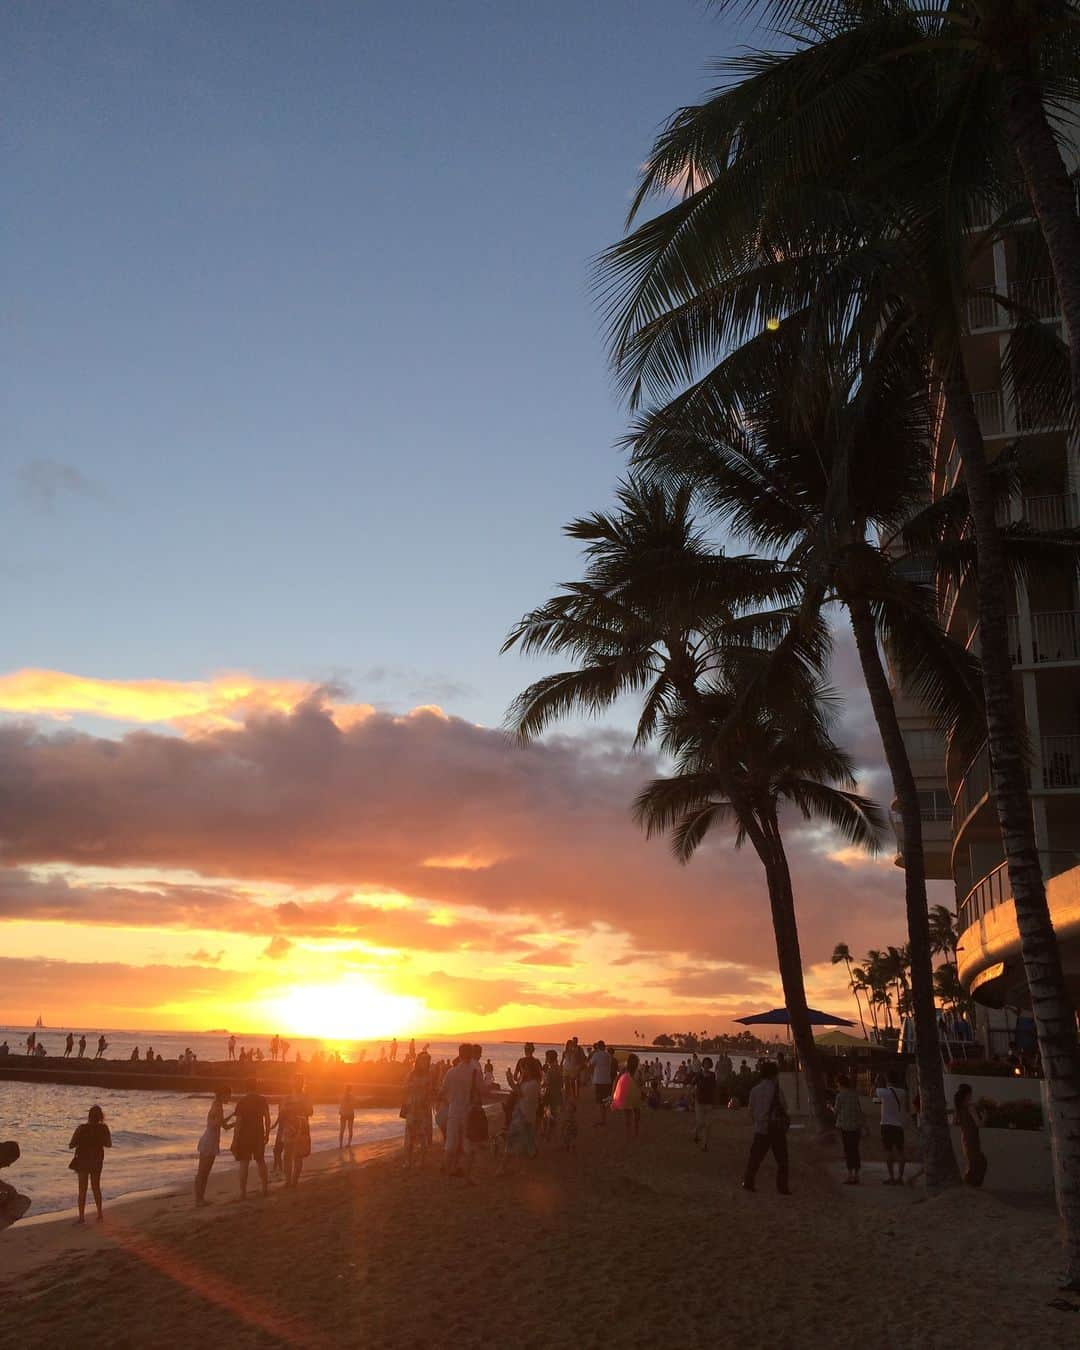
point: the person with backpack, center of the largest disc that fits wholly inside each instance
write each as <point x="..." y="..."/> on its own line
<point x="768" y="1111"/>
<point x="892" y="1100"/>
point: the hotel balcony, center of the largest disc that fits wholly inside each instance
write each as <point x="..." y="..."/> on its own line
<point x="1037" y="297"/>
<point x="989" y="957"/>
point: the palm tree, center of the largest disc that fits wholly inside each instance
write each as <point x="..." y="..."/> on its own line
<point x="836" y="186"/>
<point x="842" y="952"/>
<point x="660" y="615"/>
<point x="1018" y="62"/>
<point x="741" y="771"/>
<point x="818" y="459"/>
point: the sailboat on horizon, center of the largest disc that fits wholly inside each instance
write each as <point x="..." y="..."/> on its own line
<point x="39" y="1025"/>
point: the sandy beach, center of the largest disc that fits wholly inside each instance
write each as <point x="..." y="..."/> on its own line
<point x="643" y="1246"/>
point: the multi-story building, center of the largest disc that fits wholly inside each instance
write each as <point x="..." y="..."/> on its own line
<point x="962" y="838"/>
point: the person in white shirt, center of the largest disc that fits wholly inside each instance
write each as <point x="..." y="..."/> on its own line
<point x="768" y="1111"/>
<point x="461" y="1086"/>
<point x="600" y="1066"/>
<point x="893" y="1105"/>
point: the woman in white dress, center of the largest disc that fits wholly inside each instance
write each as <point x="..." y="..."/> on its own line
<point x="209" y="1145"/>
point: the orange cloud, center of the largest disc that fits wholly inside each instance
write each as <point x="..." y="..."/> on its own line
<point x="224" y="700"/>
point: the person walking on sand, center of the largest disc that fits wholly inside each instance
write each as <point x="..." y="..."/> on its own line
<point x="768" y="1112"/>
<point x="848" y="1114"/>
<point x="296" y="1114"/>
<point x="627" y="1097"/>
<point x="416" y="1110"/>
<point x="891" y="1099"/>
<point x="102" y="1046"/>
<point x="69" y="1044"/>
<point x="250" y="1133"/>
<point x="209" y="1145"/>
<point x="346" y="1116"/>
<point x="969" y="1121"/>
<point x="600" y="1067"/>
<point x="461" y="1086"/>
<point x="90" y="1142"/>
<point x="704" y="1101"/>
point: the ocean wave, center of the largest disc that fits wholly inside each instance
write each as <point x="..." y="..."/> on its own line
<point x="136" y="1137"/>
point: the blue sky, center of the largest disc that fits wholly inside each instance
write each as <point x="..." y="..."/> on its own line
<point x="302" y="370"/>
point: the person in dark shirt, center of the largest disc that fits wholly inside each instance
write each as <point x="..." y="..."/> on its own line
<point x="90" y="1142"/>
<point x="528" y="1066"/>
<point x="704" y="1082"/>
<point x="251" y="1131"/>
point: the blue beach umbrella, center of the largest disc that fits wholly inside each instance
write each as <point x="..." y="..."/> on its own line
<point x="778" y="1017"/>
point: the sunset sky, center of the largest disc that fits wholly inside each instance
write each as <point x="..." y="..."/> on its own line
<point x="302" y="378"/>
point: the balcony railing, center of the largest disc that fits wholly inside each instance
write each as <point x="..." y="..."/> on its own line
<point x="1052" y="511"/>
<point x="1061" y="761"/>
<point x="1039" y="296"/>
<point x="1055" y="635"/>
<point x="990" y="411"/>
<point x="995" y="889"/>
<point x="974" y="786"/>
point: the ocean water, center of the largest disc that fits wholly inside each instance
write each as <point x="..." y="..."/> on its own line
<point x="155" y="1133"/>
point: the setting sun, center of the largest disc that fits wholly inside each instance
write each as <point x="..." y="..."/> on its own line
<point x="352" y="1008"/>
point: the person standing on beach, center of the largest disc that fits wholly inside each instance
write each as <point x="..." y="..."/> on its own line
<point x="968" y="1120"/>
<point x="252" y="1130"/>
<point x="417" y="1109"/>
<point x="232" y="1047"/>
<point x="295" y="1114"/>
<point x="461" y="1086"/>
<point x="704" y="1101"/>
<point x="102" y="1046"/>
<point x="209" y="1145"/>
<point x="627" y="1097"/>
<point x="847" y="1112"/>
<point x="768" y="1111"/>
<point x="891" y="1099"/>
<point x="69" y="1044"/>
<point x="90" y="1142"/>
<point x="527" y="1064"/>
<point x="600" y="1066"/>
<point x="82" y="1047"/>
<point x="346" y="1116"/>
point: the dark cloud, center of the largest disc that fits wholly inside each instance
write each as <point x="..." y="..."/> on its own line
<point x="278" y="947"/>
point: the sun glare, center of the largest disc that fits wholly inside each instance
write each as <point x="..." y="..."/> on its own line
<point x="351" y="1009"/>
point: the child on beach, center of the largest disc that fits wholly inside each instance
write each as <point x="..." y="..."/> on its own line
<point x="90" y="1142"/>
<point x="627" y="1096"/>
<point x="568" y="1126"/>
<point x="552" y="1094"/>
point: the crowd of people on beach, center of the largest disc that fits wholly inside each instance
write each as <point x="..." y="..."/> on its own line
<point x="543" y="1101"/>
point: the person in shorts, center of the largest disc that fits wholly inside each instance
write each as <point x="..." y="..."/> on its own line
<point x="893" y="1102"/>
<point x="600" y="1069"/>
<point x="250" y="1133"/>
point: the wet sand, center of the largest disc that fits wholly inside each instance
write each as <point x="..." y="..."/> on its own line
<point x="649" y="1245"/>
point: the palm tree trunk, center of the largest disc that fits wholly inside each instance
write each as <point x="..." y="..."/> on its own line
<point x="1055" y="1018"/>
<point x="1051" y="192"/>
<point x="941" y="1168"/>
<point x="767" y="841"/>
<point x="855" y="991"/>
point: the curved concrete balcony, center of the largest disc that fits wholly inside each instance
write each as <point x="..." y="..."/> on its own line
<point x="990" y="965"/>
